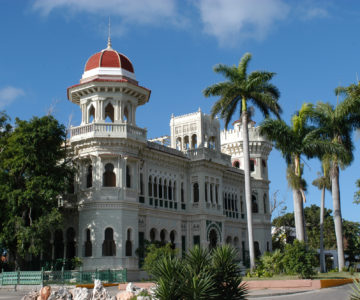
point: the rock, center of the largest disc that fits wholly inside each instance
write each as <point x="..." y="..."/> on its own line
<point x="33" y="295"/>
<point x="99" y="292"/>
<point x="61" y="294"/>
<point x="129" y="287"/>
<point x="81" y="294"/>
<point x="45" y="292"/>
<point x="124" y="295"/>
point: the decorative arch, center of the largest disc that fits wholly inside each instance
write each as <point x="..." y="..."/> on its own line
<point x="109" y="113"/>
<point x="254" y="204"/>
<point x="91" y="113"/>
<point x="178" y="143"/>
<point x="109" y="177"/>
<point x="128" y="244"/>
<point x="194" y="144"/>
<point x="88" y="244"/>
<point x="153" y="234"/>
<point x="173" y="238"/>
<point x="70" y="243"/>
<point x="108" y="246"/>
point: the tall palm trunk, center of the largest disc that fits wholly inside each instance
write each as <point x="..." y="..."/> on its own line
<point x="298" y="204"/>
<point x="322" y="209"/>
<point x="335" y="191"/>
<point x="248" y="188"/>
<point x="299" y="215"/>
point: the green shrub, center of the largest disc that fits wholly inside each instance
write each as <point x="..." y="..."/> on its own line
<point x="298" y="260"/>
<point x="155" y="252"/>
<point x="270" y="264"/>
<point x="200" y="275"/>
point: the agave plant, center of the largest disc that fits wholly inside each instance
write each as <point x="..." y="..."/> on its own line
<point x="356" y="290"/>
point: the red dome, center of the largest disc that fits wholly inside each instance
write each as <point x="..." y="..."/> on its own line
<point x="109" y="58"/>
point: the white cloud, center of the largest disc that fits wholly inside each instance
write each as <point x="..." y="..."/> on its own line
<point x="9" y="94"/>
<point x="133" y="11"/>
<point x="233" y="20"/>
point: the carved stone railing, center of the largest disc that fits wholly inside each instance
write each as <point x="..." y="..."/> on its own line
<point x="209" y="154"/>
<point x="108" y="130"/>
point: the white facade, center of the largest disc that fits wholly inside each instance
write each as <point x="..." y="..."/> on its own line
<point x="129" y="189"/>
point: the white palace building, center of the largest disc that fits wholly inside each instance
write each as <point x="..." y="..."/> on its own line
<point x="129" y="189"/>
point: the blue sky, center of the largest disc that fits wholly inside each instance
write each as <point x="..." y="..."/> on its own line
<point x="313" y="46"/>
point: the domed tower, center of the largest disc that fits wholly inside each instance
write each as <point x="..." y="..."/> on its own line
<point x="106" y="148"/>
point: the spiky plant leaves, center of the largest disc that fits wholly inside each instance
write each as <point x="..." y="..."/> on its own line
<point x="227" y="274"/>
<point x="356" y="290"/>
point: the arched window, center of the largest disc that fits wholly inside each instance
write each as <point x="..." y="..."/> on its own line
<point x="172" y="239"/>
<point x="236" y="164"/>
<point x="91" y="114"/>
<point x="182" y="193"/>
<point x="225" y="201"/>
<point x="196" y="192"/>
<point x="165" y="189"/>
<point x="150" y="187"/>
<point x="228" y="240"/>
<point x="126" y="115"/>
<point x="232" y="202"/>
<point x="213" y="239"/>
<point x="174" y="191"/>
<point x="128" y="176"/>
<point x="194" y="141"/>
<point x="252" y="165"/>
<point x="186" y="143"/>
<point x="163" y="236"/>
<point x="236" y="242"/>
<point x="236" y="205"/>
<point x="128" y="246"/>
<point x="155" y="187"/>
<point x="70" y="243"/>
<point x="89" y="177"/>
<point x="141" y="184"/>
<point x="88" y="245"/>
<point x="152" y="235"/>
<point x="178" y="143"/>
<point x="109" y="178"/>
<point x="206" y="191"/>
<point x="257" y="249"/>
<point x="264" y="200"/>
<point x="170" y="190"/>
<point x="211" y="192"/>
<point x="109" y="113"/>
<point x="241" y="205"/>
<point x="160" y="188"/>
<point x="58" y="244"/>
<point x="108" y="246"/>
<point x="212" y="143"/>
<point x="217" y="194"/>
<point x="255" y="208"/>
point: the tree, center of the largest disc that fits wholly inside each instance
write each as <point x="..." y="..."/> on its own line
<point x="34" y="173"/>
<point x="294" y="141"/>
<point x="235" y="93"/>
<point x="357" y="194"/>
<point x="323" y="182"/>
<point x="336" y="124"/>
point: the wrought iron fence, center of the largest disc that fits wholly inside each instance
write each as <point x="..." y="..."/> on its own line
<point x="61" y="277"/>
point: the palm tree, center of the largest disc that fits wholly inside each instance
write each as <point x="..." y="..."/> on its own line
<point x="294" y="141"/>
<point x="323" y="182"/>
<point x="235" y="93"/>
<point x="336" y="124"/>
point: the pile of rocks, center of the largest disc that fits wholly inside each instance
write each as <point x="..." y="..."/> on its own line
<point x="98" y="293"/>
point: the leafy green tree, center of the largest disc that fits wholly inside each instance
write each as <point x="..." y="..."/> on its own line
<point x="34" y="173"/>
<point x="357" y="194"/>
<point x="336" y="124"/>
<point x="294" y="141"/>
<point x="323" y="183"/>
<point x="154" y="252"/>
<point x="235" y="93"/>
<point x="299" y="260"/>
<point x="352" y="240"/>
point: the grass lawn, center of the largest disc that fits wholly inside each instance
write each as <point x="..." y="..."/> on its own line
<point x="331" y="275"/>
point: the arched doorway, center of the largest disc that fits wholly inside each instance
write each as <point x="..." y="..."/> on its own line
<point x="213" y="239"/>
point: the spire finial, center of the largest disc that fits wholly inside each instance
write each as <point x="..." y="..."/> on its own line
<point x="109" y="36"/>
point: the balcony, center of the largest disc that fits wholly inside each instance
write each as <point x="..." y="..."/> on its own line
<point x="107" y="130"/>
<point x="209" y="154"/>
